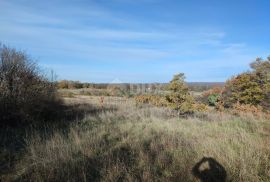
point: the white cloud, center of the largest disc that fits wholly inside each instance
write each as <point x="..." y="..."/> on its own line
<point x="93" y="33"/>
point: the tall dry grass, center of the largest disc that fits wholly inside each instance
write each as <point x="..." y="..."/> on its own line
<point x="147" y="144"/>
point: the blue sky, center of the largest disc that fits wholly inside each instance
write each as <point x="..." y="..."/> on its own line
<point x="139" y="40"/>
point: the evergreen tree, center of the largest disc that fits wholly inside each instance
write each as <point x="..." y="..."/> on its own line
<point x="179" y="97"/>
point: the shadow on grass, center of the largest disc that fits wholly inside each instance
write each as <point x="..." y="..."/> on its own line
<point x="56" y="118"/>
<point x="83" y="168"/>
<point x="80" y="168"/>
<point x="209" y="170"/>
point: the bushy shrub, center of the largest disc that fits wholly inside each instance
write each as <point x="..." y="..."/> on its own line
<point x="179" y="97"/>
<point x="213" y="99"/>
<point x="240" y="109"/>
<point x="75" y="85"/>
<point x="199" y="107"/>
<point x="25" y="93"/>
<point x="86" y="85"/>
<point x="244" y="89"/>
<point x="250" y="87"/>
<point x="63" y="84"/>
<point x="261" y="68"/>
<point x="155" y="100"/>
<point x="210" y="97"/>
<point x="215" y="90"/>
<point x="66" y="84"/>
<point x="220" y="106"/>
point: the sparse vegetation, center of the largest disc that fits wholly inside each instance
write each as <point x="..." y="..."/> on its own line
<point x="105" y="134"/>
<point x="147" y="144"/>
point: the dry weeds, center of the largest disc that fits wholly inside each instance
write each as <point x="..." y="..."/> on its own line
<point x="146" y="144"/>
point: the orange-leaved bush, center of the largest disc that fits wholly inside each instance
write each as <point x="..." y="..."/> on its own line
<point x="155" y="100"/>
<point x="251" y="87"/>
<point x="240" y="109"/>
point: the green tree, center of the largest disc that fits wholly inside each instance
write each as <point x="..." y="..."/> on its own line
<point x="179" y="97"/>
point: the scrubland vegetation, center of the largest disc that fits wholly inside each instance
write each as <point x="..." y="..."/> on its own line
<point x="130" y="143"/>
<point x="221" y="135"/>
<point x="26" y="94"/>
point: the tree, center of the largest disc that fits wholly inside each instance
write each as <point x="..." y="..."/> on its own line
<point x="261" y="69"/>
<point x="25" y="93"/>
<point x="179" y="97"/>
<point x="251" y="87"/>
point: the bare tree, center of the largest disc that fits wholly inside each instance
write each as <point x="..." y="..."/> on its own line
<point x="25" y="93"/>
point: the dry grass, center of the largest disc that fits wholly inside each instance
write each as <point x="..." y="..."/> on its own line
<point x="146" y="144"/>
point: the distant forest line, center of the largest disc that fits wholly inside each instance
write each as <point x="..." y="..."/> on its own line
<point x="193" y="86"/>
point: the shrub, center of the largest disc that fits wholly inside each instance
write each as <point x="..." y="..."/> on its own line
<point x="215" y="90"/>
<point x="220" y="106"/>
<point x="251" y="88"/>
<point x="155" y="100"/>
<point x="86" y="85"/>
<point x="200" y="107"/>
<point x="261" y="68"/>
<point x="244" y="89"/>
<point x="25" y="93"/>
<point x="179" y="97"/>
<point x="213" y="99"/>
<point x="63" y="84"/>
<point x="210" y="97"/>
<point x="240" y="109"/>
<point x="114" y="90"/>
<point x="66" y="84"/>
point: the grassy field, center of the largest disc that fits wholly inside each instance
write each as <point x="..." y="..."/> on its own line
<point x="121" y="141"/>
